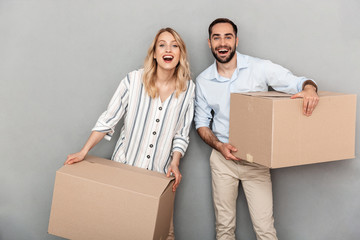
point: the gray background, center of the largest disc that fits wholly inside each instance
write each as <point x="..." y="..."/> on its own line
<point x="60" y="62"/>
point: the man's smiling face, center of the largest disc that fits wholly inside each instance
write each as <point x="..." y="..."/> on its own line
<point x="223" y="42"/>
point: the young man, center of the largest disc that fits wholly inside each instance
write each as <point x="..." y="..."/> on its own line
<point x="234" y="72"/>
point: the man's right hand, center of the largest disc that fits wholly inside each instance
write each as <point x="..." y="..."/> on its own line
<point x="226" y="150"/>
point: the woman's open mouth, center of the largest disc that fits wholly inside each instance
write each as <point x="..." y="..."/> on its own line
<point x="168" y="58"/>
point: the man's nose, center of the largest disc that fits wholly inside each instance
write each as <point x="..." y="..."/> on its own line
<point x="222" y="41"/>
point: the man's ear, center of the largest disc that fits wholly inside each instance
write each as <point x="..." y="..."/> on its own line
<point x="237" y="41"/>
<point x="209" y="43"/>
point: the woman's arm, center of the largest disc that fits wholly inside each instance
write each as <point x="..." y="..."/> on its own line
<point x="181" y="139"/>
<point x="95" y="138"/>
<point x="106" y="123"/>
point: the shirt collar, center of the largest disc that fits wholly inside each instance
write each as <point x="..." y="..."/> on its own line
<point x="242" y="62"/>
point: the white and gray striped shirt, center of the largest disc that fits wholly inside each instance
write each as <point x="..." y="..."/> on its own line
<point x="152" y="129"/>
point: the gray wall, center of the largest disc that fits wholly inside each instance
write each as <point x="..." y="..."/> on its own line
<point x="60" y="62"/>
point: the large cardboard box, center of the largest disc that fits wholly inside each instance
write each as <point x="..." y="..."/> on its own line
<point x="269" y="128"/>
<point x="101" y="199"/>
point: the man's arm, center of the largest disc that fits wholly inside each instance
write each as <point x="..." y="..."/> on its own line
<point x="310" y="97"/>
<point x="281" y="79"/>
<point x="225" y="149"/>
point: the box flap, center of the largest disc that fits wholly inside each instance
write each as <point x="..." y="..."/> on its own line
<point x="119" y="175"/>
<point x="328" y="94"/>
<point x="268" y="94"/>
<point x="281" y="95"/>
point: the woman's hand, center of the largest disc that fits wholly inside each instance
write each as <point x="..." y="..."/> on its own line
<point x="74" y="158"/>
<point x="94" y="138"/>
<point x="174" y="169"/>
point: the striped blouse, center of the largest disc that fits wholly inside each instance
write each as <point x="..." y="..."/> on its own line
<point x="152" y="129"/>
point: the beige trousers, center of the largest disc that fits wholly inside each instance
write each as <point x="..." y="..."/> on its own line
<point x="257" y="186"/>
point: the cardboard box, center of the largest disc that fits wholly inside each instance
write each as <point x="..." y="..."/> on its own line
<point x="101" y="199"/>
<point x="269" y="128"/>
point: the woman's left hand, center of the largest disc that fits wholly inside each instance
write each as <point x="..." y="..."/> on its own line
<point x="174" y="169"/>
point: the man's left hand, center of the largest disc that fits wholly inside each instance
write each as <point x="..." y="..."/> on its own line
<point x="310" y="97"/>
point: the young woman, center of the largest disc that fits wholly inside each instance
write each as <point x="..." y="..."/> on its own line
<point x="158" y="105"/>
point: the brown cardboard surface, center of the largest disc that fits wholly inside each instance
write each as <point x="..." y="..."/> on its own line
<point x="269" y="128"/>
<point x="101" y="199"/>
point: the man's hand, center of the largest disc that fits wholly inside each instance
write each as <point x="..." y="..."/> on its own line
<point x="226" y="150"/>
<point x="174" y="169"/>
<point x="310" y="97"/>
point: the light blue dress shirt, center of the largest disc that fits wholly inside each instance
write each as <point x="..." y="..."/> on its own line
<point x="251" y="75"/>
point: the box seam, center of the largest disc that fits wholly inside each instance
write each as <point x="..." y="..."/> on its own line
<point x="127" y="190"/>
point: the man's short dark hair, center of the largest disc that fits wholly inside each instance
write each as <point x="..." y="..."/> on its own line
<point x="222" y="20"/>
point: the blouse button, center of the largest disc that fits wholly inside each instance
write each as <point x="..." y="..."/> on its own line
<point x="160" y="108"/>
<point x="154" y="133"/>
<point x="148" y="156"/>
<point x="151" y="145"/>
<point x="157" y="120"/>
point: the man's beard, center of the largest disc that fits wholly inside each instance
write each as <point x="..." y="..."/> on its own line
<point x="226" y="60"/>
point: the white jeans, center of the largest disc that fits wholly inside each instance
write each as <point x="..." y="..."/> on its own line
<point x="256" y="183"/>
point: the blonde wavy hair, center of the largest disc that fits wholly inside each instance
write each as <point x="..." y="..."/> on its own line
<point x="182" y="70"/>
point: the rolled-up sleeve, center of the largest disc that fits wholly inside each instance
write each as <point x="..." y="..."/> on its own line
<point x="181" y="138"/>
<point x="202" y="109"/>
<point x="281" y="79"/>
<point x="115" y="110"/>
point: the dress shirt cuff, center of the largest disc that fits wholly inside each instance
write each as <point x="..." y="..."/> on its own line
<point x="310" y="82"/>
<point x="201" y="124"/>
